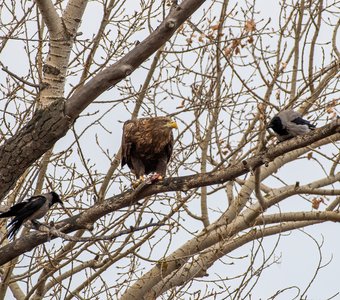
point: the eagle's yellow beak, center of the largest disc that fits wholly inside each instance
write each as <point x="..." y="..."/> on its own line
<point x="172" y="124"/>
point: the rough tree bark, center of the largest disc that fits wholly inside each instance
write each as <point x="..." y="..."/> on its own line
<point x="25" y="147"/>
<point x="86" y="219"/>
<point x="222" y="76"/>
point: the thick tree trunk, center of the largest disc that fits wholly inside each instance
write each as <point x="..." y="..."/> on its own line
<point x="40" y="133"/>
<point x="19" y="152"/>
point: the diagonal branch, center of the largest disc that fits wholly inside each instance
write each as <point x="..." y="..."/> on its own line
<point x="86" y="219"/>
<point x="39" y="135"/>
<point x="198" y="266"/>
<point x="299" y="216"/>
<point x="125" y="66"/>
<point x="51" y="17"/>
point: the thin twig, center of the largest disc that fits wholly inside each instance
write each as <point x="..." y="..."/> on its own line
<point x="53" y="231"/>
<point x="5" y="69"/>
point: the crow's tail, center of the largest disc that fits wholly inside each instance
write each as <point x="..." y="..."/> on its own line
<point x="300" y="121"/>
<point x="13" y="227"/>
<point x="311" y="126"/>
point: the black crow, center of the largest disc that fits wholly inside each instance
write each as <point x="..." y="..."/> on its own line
<point x="30" y="209"/>
<point x="288" y="124"/>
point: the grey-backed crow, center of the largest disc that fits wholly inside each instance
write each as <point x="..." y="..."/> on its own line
<point x="30" y="209"/>
<point x="288" y="124"/>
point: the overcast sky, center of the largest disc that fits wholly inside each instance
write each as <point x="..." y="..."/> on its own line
<point x="296" y="253"/>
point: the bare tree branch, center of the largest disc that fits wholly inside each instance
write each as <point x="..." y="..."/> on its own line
<point x="222" y="74"/>
<point x="56" y="118"/>
<point x="51" y="17"/>
<point x="86" y="219"/>
<point x="125" y="66"/>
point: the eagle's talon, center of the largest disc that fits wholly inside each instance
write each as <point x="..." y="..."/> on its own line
<point x="154" y="177"/>
<point x="138" y="182"/>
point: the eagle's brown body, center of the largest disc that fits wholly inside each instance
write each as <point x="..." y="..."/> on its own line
<point x="147" y="145"/>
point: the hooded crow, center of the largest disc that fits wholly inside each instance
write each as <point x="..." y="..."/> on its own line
<point x="288" y="124"/>
<point x="30" y="209"/>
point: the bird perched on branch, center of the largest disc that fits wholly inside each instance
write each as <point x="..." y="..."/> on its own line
<point x="147" y="145"/>
<point x="30" y="209"/>
<point x="288" y="124"/>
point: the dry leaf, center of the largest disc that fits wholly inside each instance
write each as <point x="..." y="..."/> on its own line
<point x="250" y="40"/>
<point x="316" y="202"/>
<point x="181" y="29"/>
<point x="309" y="155"/>
<point x="189" y="41"/>
<point x="210" y="36"/>
<point x="235" y="43"/>
<point x="237" y="50"/>
<point x="277" y="95"/>
<point x="215" y="27"/>
<point x="330" y="106"/>
<point x="261" y="107"/>
<point x="329" y="110"/>
<point x="250" y="25"/>
<point x="181" y="105"/>
<point x="228" y="51"/>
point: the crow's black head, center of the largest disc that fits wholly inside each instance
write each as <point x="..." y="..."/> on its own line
<point x="56" y="199"/>
<point x="277" y="126"/>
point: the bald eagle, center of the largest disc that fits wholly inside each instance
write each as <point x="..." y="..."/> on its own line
<point x="147" y="145"/>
